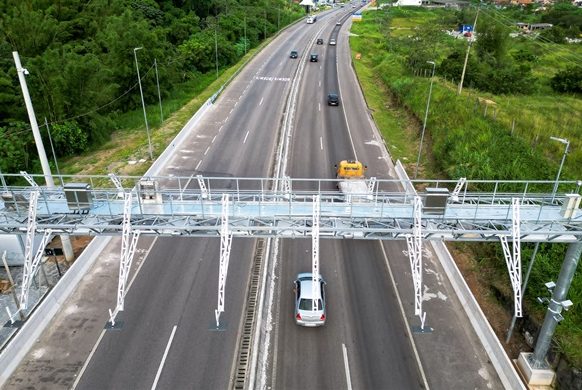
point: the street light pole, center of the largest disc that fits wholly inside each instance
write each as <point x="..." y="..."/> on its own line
<point x="425" y="117"/>
<point x="159" y="95"/>
<point x="467" y="55"/>
<point x="145" y="117"/>
<point x="567" y="143"/>
<point x="46" y="170"/>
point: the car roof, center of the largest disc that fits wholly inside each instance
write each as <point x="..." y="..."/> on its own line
<point x="331" y="94"/>
<point x="305" y="279"/>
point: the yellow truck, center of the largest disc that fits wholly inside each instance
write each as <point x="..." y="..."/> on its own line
<point x="351" y="180"/>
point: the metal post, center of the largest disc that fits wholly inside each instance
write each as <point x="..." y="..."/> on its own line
<point x="159" y="95"/>
<point x="145" y="117"/>
<point x="538" y="359"/>
<point x="530" y="266"/>
<point x="567" y="143"/>
<point x="46" y="170"/>
<point x="245" y="19"/>
<point x="467" y="55"/>
<point x="216" y="47"/>
<point x="425" y="118"/>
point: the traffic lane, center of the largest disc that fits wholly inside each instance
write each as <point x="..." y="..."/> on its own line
<point x="382" y="354"/>
<point x="129" y="356"/>
<point x="201" y="356"/>
<point x="182" y="292"/>
<point x="453" y="346"/>
<point x="308" y="357"/>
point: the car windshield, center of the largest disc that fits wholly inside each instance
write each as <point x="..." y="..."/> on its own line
<point x="305" y="304"/>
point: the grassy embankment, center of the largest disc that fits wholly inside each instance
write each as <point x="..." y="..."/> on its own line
<point x="463" y="141"/>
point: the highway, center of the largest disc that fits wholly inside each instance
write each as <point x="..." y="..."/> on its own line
<point x="168" y="338"/>
<point x="361" y="304"/>
<point x="177" y="285"/>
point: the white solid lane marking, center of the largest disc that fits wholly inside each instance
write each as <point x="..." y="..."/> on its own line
<point x="198" y="165"/>
<point x="164" y="358"/>
<point x="78" y="379"/>
<point x="319" y="106"/>
<point x="231" y="111"/>
<point x="320" y="83"/>
<point x="213" y="139"/>
<point x="207" y="149"/>
<point x="245" y="140"/>
<point x="220" y="128"/>
<point x="321" y="142"/>
<point x="261" y="102"/>
<point x="402" y="312"/>
<point x="347" y="367"/>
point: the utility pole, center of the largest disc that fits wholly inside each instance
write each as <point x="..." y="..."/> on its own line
<point x="145" y="117"/>
<point x="216" y="48"/>
<point x="159" y="95"/>
<point x="467" y="55"/>
<point x="46" y="170"/>
<point x="66" y="242"/>
<point x="425" y="116"/>
<point x="245" y="18"/>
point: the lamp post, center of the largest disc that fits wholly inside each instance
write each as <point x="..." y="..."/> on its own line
<point x="145" y="117"/>
<point x="567" y="143"/>
<point x="425" y="117"/>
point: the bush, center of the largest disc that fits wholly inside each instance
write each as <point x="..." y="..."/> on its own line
<point x="569" y="80"/>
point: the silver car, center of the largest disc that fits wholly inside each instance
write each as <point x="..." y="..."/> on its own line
<point x="304" y="313"/>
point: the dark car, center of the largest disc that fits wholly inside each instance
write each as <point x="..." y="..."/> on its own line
<point x="313" y="57"/>
<point x="319" y="41"/>
<point x="332" y="99"/>
<point x="293" y="54"/>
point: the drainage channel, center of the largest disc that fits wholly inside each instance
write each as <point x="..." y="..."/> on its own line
<point x="244" y="348"/>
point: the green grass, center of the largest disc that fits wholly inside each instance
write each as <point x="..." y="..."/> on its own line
<point x="466" y="142"/>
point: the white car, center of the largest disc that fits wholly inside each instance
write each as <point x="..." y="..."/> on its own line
<point x="332" y="41"/>
<point x="304" y="296"/>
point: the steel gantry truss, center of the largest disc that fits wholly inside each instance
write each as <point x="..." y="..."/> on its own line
<point x="513" y="257"/>
<point x="225" y="245"/>
<point x="129" y="240"/>
<point x="215" y="209"/>
<point x="414" y="244"/>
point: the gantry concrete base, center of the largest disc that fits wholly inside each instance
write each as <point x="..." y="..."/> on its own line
<point x="534" y="376"/>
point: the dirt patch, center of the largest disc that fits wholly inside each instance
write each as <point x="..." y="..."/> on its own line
<point x="486" y="288"/>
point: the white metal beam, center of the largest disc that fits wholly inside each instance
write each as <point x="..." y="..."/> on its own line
<point x="117" y="184"/>
<point x="29" y="179"/>
<point x="128" y="245"/>
<point x="30" y="268"/>
<point x="458" y="188"/>
<point x="286" y="186"/>
<point x="225" y="245"/>
<point x="414" y="243"/>
<point x="513" y="256"/>
<point x="315" y="251"/>
<point x="202" y="186"/>
<point x="371" y="185"/>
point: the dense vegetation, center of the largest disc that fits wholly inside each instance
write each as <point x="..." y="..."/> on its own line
<point x="81" y="64"/>
<point x="510" y="141"/>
